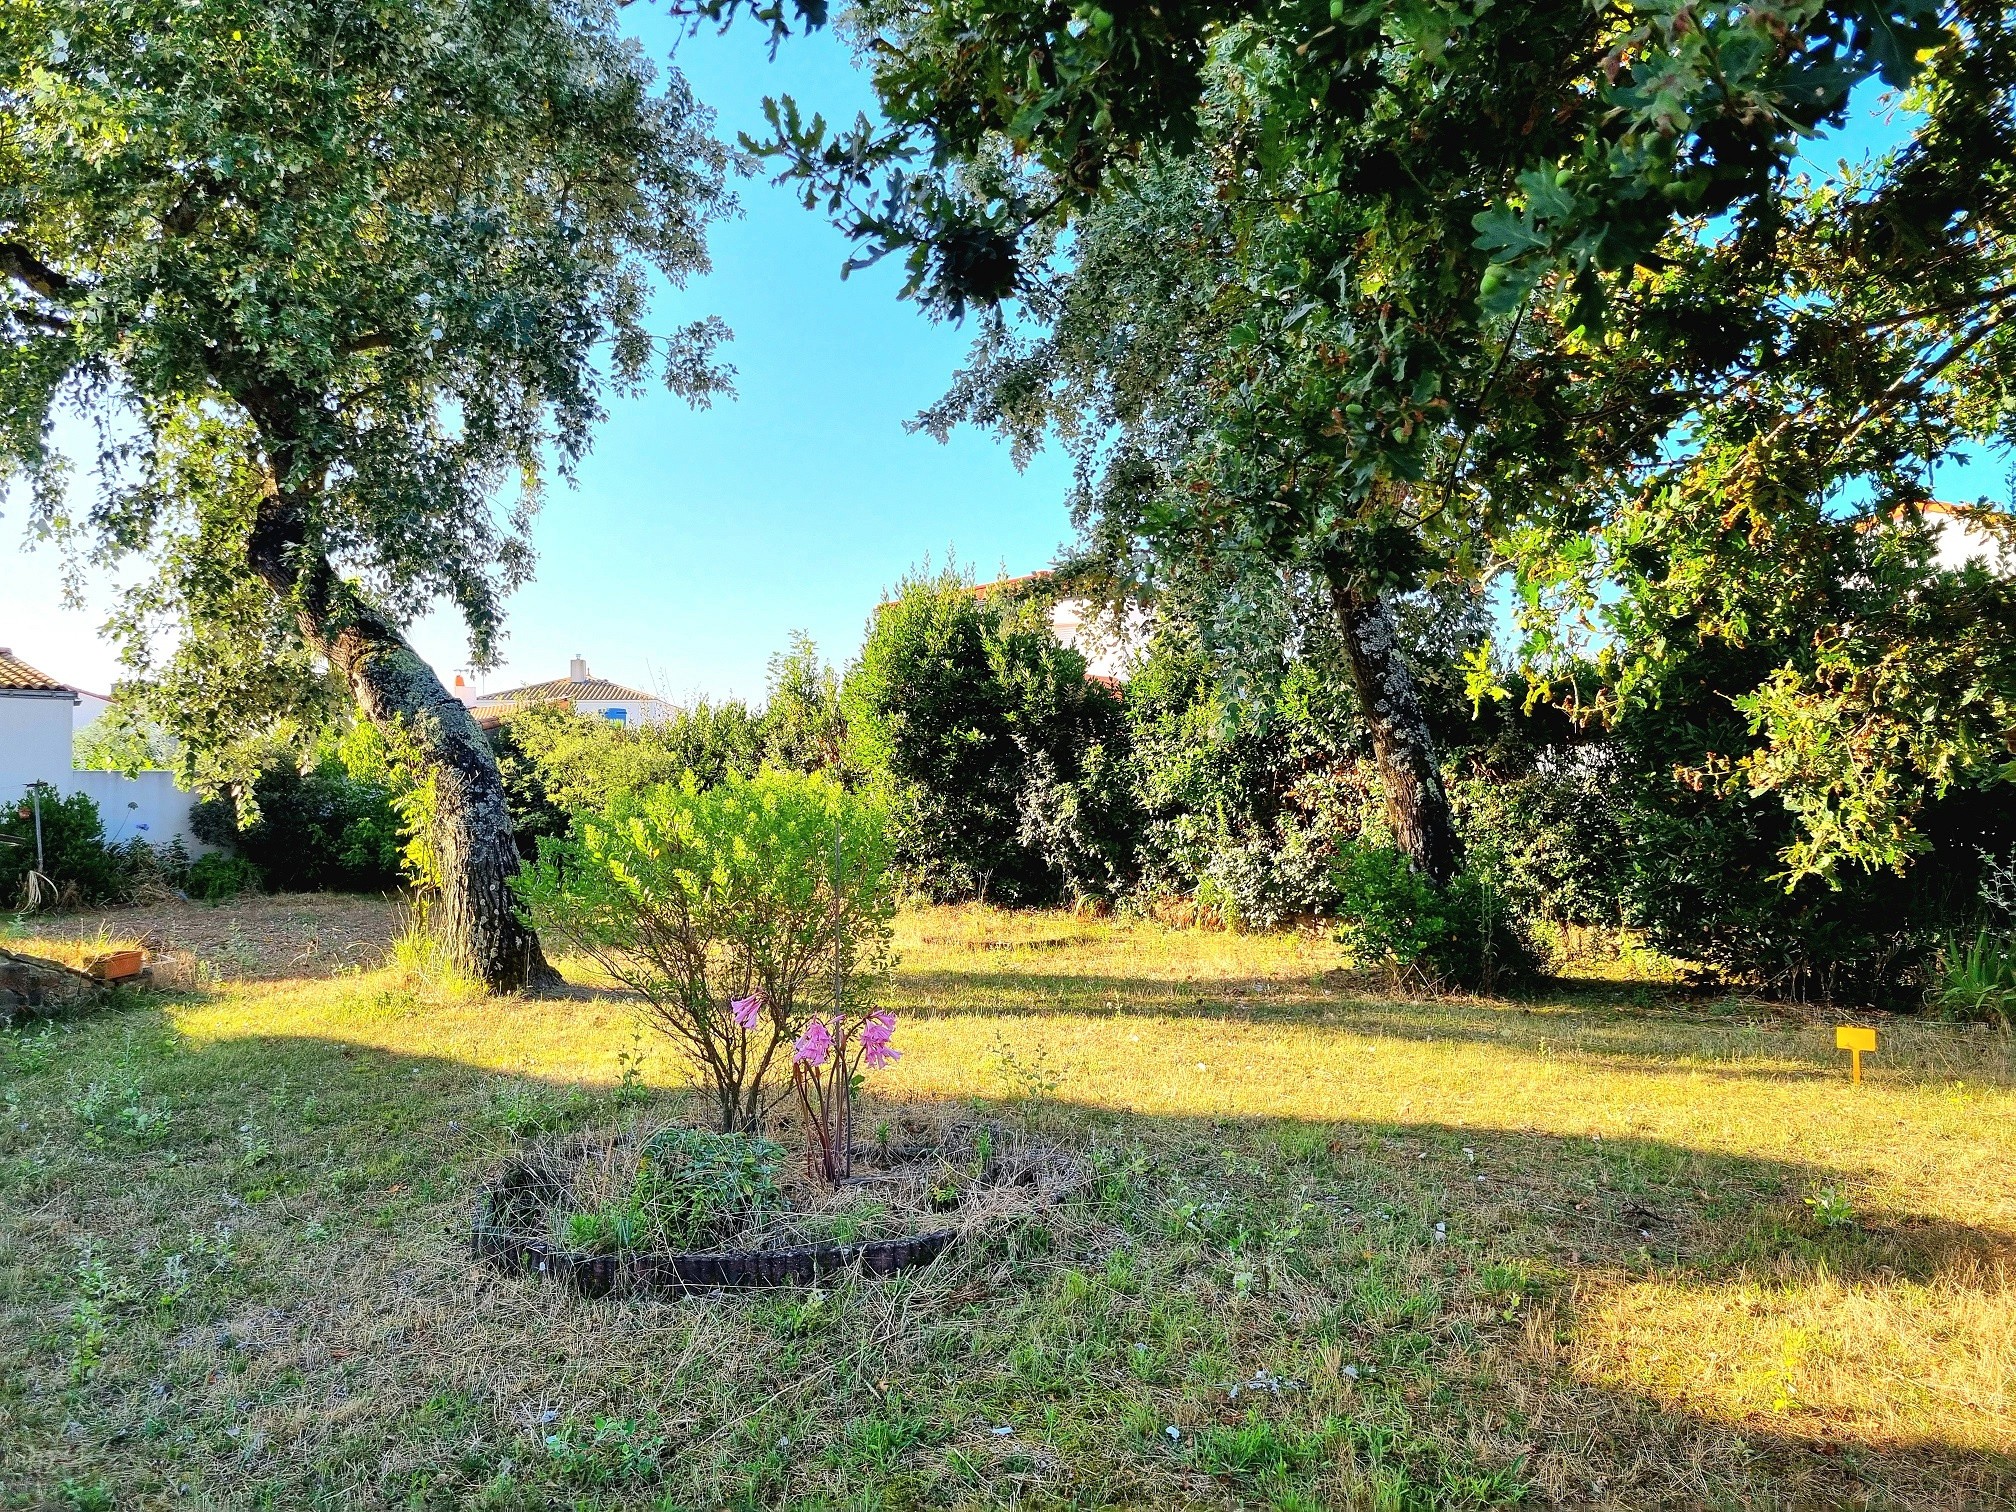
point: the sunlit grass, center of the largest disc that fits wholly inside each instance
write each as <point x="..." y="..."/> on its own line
<point x="1609" y="1245"/>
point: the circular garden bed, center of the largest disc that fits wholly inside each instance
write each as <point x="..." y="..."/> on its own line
<point x="669" y="1208"/>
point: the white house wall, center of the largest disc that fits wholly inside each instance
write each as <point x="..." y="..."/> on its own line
<point x="34" y="740"/>
<point x="35" y="747"/>
<point x="146" y="806"/>
<point x="1109" y="650"/>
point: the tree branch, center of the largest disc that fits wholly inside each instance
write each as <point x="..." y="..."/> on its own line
<point x="56" y="325"/>
<point x="28" y="270"/>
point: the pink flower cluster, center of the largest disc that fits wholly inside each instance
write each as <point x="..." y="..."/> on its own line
<point x="745" y="1010"/>
<point x="815" y="1045"/>
<point x="875" y="1047"/>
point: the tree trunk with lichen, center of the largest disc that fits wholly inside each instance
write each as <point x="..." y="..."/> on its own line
<point x="476" y="913"/>
<point x="1417" y="807"/>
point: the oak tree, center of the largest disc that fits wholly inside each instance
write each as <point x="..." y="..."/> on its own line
<point x="342" y="285"/>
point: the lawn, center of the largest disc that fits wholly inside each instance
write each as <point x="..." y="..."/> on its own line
<point x="1606" y="1247"/>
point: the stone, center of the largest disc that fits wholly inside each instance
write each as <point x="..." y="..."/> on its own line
<point x="31" y="985"/>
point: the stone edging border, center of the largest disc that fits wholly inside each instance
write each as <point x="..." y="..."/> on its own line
<point x="599" y="1275"/>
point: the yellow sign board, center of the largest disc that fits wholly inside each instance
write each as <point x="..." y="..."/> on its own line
<point x="1855" y="1040"/>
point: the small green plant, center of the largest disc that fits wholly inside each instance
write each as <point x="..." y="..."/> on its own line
<point x="608" y="1231"/>
<point x="27" y="1053"/>
<point x="1023" y="1076"/>
<point x="528" y="1111"/>
<point x="99" y="1295"/>
<point x="1831" y="1209"/>
<point x="112" y="1109"/>
<point x="1256" y="1449"/>
<point x="615" y="1452"/>
<point x="694" y="1187"/>
<point x="218" y="877"/>
<point x="86" y="1496"/>
<point x="630" y="1088"/>
<point x="1976" y="979"/>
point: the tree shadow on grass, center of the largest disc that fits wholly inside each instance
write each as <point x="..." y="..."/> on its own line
<point x="1662" y="1039"/>
<point x="342" y="1177"/>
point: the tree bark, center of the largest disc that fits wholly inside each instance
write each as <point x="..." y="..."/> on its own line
<point x="476" y="914"/>
<point x="1417" y="807"/>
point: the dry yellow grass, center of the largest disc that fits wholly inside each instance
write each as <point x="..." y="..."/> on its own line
<point x="1679" y="1259"/>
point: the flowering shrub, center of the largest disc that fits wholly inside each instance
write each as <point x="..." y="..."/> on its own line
<point x="826" y="1076"/>
<point x="731" y="912"/>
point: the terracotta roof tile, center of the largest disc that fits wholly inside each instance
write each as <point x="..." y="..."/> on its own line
<point x="16" y="676"/>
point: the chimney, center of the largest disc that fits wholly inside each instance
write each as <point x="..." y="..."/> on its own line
<point x="577" y="670"/>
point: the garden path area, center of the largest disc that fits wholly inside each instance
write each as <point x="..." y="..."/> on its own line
<point x="260" y="938"/>
<point x="1600" y="1248"/>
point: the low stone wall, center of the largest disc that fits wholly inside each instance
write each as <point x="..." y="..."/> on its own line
<point x="31" y="986"/>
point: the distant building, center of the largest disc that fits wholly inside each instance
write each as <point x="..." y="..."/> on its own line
<point x="38" y="716"/>
<point x="583" y="693"/>
<point x="89" y="706"/>
<point x="1962" y="538"/>
<point x="1111" y="651"/>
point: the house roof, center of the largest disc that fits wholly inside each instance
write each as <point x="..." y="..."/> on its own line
<point x="566" y="690"/>
<point x="16" y="676"/>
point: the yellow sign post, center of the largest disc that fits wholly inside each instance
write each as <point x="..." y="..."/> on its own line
<point x="1848" y="1037"/>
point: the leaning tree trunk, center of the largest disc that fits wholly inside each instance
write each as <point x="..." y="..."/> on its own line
<point x="476" y="915"/>
<point x="1416" y="805"/>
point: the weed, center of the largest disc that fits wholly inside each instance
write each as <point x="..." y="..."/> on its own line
<point x="1024" y="1075"/>
<point x="630" y="1088"/>
<point x="615" y="1452"/>
<point x="1831" y="1208"/>
<point x="115" y="1110"/>
<point x="1977" y="978"/>
<point x="99" y="1295"/>
<point x="1257" y="1449"/>
<point x="531" y="1110"/>
<point x="26" y="1052"/>
<point x="86" y="1496"/>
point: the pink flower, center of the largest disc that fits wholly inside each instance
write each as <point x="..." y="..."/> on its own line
<point x="744" y="1010"/>
<point x="875" y="1047"/>
<point x="814" y="1045"/>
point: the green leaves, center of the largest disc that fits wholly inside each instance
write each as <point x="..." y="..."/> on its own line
<point x="776" y="885"/>
<point x="290" y="242"/>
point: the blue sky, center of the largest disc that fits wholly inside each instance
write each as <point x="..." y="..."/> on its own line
<point x="695" y="542"/>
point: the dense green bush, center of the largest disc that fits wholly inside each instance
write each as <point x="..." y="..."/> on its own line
<point x="803" y="726"/>
<point x="318" y="830"/>
<point x="1464" y="936"/>
<point x="558" y="762"/>
<point x="733" y="911"/>
<point x="1004" y="765"/>
<point x="219" y="876"/>
<point x="74" y="855"/>
<point x="1245" y="802"/>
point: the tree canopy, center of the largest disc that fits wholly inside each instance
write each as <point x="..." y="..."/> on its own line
<point x="339" y="285"/>
<point x="1371" y="294"/>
